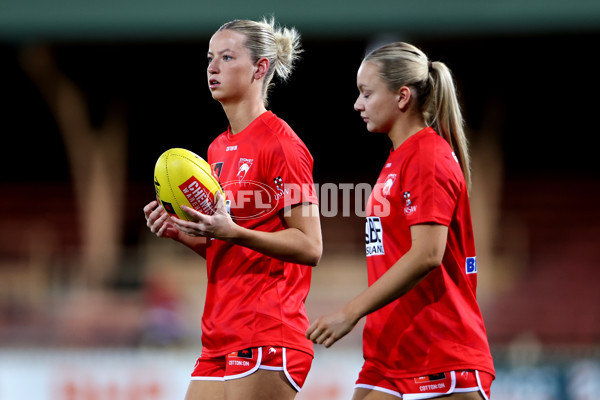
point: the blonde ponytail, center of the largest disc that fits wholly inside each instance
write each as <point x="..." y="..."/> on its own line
<point x="446" y="116"/>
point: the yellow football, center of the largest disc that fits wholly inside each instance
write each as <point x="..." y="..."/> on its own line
<point x="184" y="178"/>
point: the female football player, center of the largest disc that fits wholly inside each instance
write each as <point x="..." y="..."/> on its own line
<point x="264" y="236"/>
<point x="424" y="335"/>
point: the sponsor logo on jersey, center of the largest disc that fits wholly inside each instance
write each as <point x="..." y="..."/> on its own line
<point x="244" y="167"/>
<point x="231" y="148"/>
<point x="374" y="237"/>
<point x="471" y="265"/>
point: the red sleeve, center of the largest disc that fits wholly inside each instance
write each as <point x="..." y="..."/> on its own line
<point x="431" y="185"/>
<point x="290" y="173"/>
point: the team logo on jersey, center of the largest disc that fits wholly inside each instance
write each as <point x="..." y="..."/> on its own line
<point x="374" y="237"/>
<point x="282" y="190"/>
<point x="409" y="207"/>
<point x="278" y="183"/>
<point x="471" y="265"/>
<point x="389" y="182"/>
<point x="244" y="167"/>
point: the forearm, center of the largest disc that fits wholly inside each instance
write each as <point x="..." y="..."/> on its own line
<point x="396" y="282"/>
<point x="291" y="244"/>
<point x="300" y="242"/>
<point x="195" y="243"/>
<point x="425" y="254"/>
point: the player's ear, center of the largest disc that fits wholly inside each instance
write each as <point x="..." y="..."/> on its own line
<point x="403" y="95"/>
<point x="261" y="68"/>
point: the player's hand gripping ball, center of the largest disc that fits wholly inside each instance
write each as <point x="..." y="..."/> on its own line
<point x="184" y="178"/>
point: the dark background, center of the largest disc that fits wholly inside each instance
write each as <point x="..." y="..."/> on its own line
<point x="543" y="86"/>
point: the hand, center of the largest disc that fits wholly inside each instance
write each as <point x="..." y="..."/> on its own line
<point x="330" y="328"/>
<point x="219" y="225"/>
<point x="159" y="222"/>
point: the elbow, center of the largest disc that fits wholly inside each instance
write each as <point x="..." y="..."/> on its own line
<point x="431" y="265"/>
<point x="312" y="255"/>
<point x="431" y="261"/>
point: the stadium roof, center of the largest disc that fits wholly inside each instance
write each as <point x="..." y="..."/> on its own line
<point x="22" y="20"/>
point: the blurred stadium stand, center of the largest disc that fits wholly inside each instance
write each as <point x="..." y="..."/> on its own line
<point x="555" y="296"/>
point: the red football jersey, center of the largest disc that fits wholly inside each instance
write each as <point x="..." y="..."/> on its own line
<point x="254" y="300"/>
<point x="437" y="326"/>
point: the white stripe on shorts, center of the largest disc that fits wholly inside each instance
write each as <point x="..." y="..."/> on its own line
<point x="249" y="372"/>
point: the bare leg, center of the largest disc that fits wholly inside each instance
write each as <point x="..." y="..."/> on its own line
<point x="261" y="385"/>
<point x="368" y="394"/>
<point x="205" y="390"/>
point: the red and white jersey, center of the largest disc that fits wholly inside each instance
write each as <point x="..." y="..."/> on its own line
<point x="254" y="300"/>
<point x="436" y="326"/>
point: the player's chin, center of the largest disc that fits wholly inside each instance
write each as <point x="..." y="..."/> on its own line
<point x="372" y="128"/>
<point x="218" y="95"/>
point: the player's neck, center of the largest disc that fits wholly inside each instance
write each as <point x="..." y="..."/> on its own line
<point x="405" y="128"/>
<point x="241" y="114"/>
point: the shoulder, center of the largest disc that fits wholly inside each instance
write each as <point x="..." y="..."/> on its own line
<point x="277" y="126"/>
<point x="279" y="134"/>
<point x="430" y="154"/>
<point x="429" y="139"/>
<point x="428" y="147"/>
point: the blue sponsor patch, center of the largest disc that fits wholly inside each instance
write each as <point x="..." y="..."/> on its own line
<point x="471" y="265"/>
